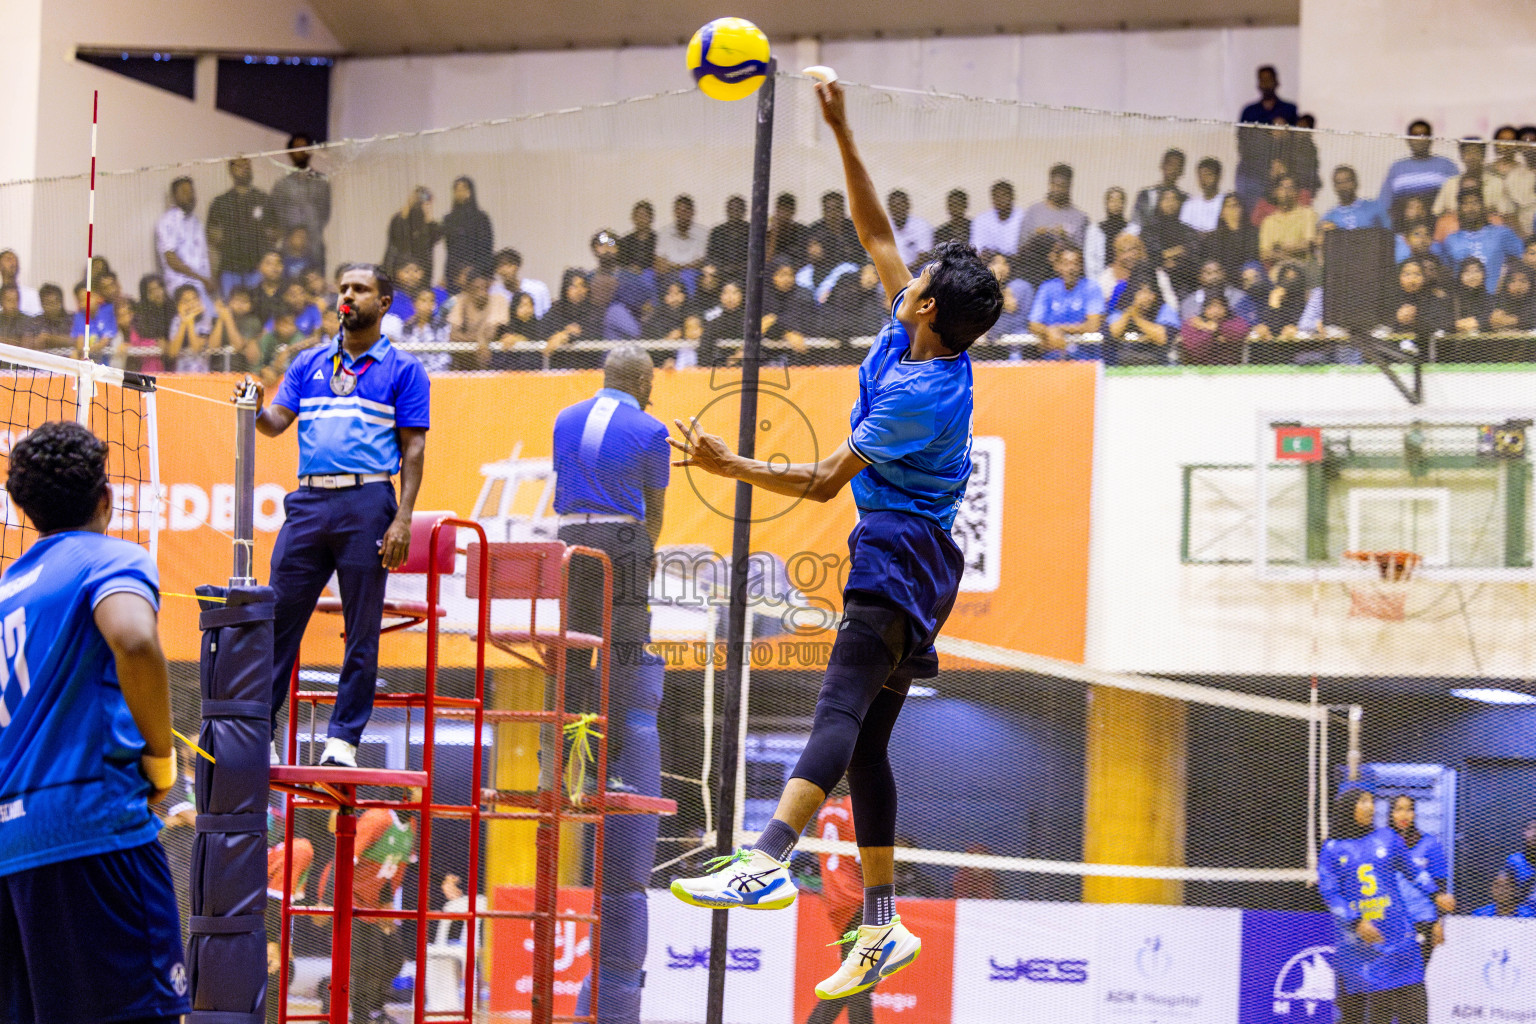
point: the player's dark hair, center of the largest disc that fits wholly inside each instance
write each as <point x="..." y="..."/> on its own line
<point x="295" y="143"/>
<point x="510" y="256"/>
<point x="967" y="297"/>
<point x="58" y="474"/>
<point x="1429" y="129"/>
<point x="1341" y="815"/>
<point x="381" y="278"/>
<point x="183" y="290"/>
<point x="1172" y="153"/>
<point x="1210" y="163"/>
<point x="178" y="182"/>
<point x="1060" y="171"/>
<point x="1270" y="68"/>
<point x="51" y="289"/>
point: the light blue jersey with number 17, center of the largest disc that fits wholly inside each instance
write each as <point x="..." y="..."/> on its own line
<point x="70" y="784"/>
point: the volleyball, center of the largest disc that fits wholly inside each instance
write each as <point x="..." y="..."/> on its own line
<point x="728" y="58"/>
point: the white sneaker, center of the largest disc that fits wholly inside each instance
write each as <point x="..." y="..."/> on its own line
<point x="338" y="754"/>
<point x="748" y="878"/>
<point x="273" y="757"/>
<point x="879" y="951"/>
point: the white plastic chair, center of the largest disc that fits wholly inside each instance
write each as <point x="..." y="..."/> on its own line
<point x="445" y="959"/>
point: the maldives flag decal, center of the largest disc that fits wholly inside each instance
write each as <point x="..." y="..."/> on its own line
<point x="1299" y="444"/>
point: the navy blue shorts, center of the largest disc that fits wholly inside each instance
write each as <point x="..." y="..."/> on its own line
<point x="94" y="940"/>
<point x="910" y="562"/>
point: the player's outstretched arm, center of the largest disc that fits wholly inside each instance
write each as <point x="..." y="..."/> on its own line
<point x="819" y="481"/>
<point x="270" y="420"/>
<point x="130" y="626"/>
<point x="869" y="217"/>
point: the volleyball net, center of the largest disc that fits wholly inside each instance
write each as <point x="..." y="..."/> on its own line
<point x="1195" y="763"/>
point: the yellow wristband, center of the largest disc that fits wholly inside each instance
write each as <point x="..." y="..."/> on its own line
<point x="160" y="771"/>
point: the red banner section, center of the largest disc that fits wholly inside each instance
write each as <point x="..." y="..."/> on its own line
<point x="511" y="969"/>
<point x="919" y="994"/>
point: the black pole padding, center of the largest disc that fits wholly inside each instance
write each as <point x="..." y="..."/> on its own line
<point x="741" y="535"/>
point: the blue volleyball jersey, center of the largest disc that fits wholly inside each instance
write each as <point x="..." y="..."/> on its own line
<point x="912" y="424"/>
<point x="1429" y="857"/>
<point x="1357" y="879"/>
<point x="70" y="784"/>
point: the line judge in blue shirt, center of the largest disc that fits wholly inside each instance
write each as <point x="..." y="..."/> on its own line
<point x="363" y="409"/>
<point x="612" y="464"/>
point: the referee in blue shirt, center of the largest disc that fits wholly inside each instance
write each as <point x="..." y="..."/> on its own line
<point x="612" y="464"/>
<point x="363" y="410"/>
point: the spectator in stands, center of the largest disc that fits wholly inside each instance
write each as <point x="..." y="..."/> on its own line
<point x="103" y="323"/>
<point x="855" y="307"/>
<point x="1470" y="301"/>
<point x="425" y="326"/>
<point x="16" y="327"/>
<point x="835" y="224"/>
<point x="665" y="321"/>
<point x="1201" y="212"/>
<point x="706" y="290"/>
<point x="727" y="245"/>
<point x="1171" y="244"/>
<point x="721" y="323"/>
<point x="1514" y="307"/>
<point x="1477" y="174"/>
<point x="1519" y="182"/>
<point x="10" y="273"/>
<point x="510" y="280"/>
<point x="298" y="255"/>
<point x="1418" y="307"/>
<point x="53" y="327"/>
<point x="680" y="245"/>
<point x="1521" y="864"/>
<point x="1055" y="215"/>
<point x="320" y="289"/>
<point x="573" y="315"/>
<point x="1067" y="305"/>
<point x="270" y="287"/>
<point x="153" y="316"/>
<point x="306" y="311"/>
<point x="786" y="236"/>
<point x="237" y="328"/>
<point x="1420" y="244"/>
<point x="1420" y="173"/>
<point x="1141" y="324"/>
<point x="1289" y="232"/>
<point x="958" y="227"/>
<point x="182" y="244"/>
<point x="1130" y="255"/>
<point x="1415" y="210"/>
<point x="1292" y="309"/>
<point x="412" y="234"/>
<point x="474" y="318"/>
<point x="187" y="349"/>
<point x="467" y="233"/>
<point x="1255" y="147"/>
<point x="1023" y="294"/>
<point x="1509" y="896"/>
<point x="997" y="227"/>
<point x="1492" y="244"/>
<point x="1214" y="335"/>
<point x="824" y="265"/>
<point x="637" y="250"/>
<point x="277" y="347"/>
<point x="789" y="311"/>
<point x="1299" y="155"/>
<point x="1099" y="239"/>
<point x="603" y="279"/>
<point x="240" y="227"/>
<point x="133" y="350"/>
<point x="914" y="235"/>
<point x="1213" y="282"/>
<point x="1172" y="168"/>
<point x="302" y="197"/>
<point x="1235" y="242"/>
<point x="524" y="324"/>
<point x="1352" y="211"/>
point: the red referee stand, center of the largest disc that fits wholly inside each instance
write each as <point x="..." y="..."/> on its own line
<point x="525" y="572"/>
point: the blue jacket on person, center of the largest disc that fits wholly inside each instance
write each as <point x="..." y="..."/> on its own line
<point x="1357" y="879"/>
<point x="1428" y="855"/>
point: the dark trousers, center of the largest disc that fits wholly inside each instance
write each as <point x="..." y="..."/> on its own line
<point x="628" y="547"/>
<point x="376" y="958"/>
<point x="860" y="1009"/>
<point x="333" y="531"/>
<point x="1407" y="1004"/>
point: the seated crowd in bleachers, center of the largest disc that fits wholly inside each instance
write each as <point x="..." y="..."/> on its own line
<point x="1440" y="261"/>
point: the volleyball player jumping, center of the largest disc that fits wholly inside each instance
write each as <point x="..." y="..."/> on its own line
<point x="908" y="459"/>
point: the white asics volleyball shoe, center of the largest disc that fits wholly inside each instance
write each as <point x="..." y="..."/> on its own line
<point x="749" y="879"/>
<point x="338" y="754"/>
<point x="879" y="951"/>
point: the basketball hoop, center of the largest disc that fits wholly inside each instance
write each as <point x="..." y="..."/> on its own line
<point x="1384" y="594"/>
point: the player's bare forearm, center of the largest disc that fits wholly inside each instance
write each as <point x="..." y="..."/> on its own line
<point x="869" y="217"/>
<point x="129" y="625"/>
<point x="413" y="459"/>
<point x="819" y="481"/>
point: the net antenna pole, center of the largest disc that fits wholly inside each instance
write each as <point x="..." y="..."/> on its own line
<point x="90" y="243"/>
<point x="1352" y="755"/>
<point x="741" y="535"/>
<point x="245" y="488"/>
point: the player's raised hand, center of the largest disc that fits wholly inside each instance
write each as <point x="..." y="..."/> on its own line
<point x="701" y="450"/>
<point x="832" y="111"/>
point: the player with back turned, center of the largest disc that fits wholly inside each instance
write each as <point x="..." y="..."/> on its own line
<point x="908" y="459"/>
<point x="88" y="920"/>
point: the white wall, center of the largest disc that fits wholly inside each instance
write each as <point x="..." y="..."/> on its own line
<point x="1375" y="65"/>
<point x="1150" y="613"/>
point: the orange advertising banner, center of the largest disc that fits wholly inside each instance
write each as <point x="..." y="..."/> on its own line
<point x="1024" y="526"/>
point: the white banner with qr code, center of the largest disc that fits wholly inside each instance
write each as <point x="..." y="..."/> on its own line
<point x="978" y="528"/>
